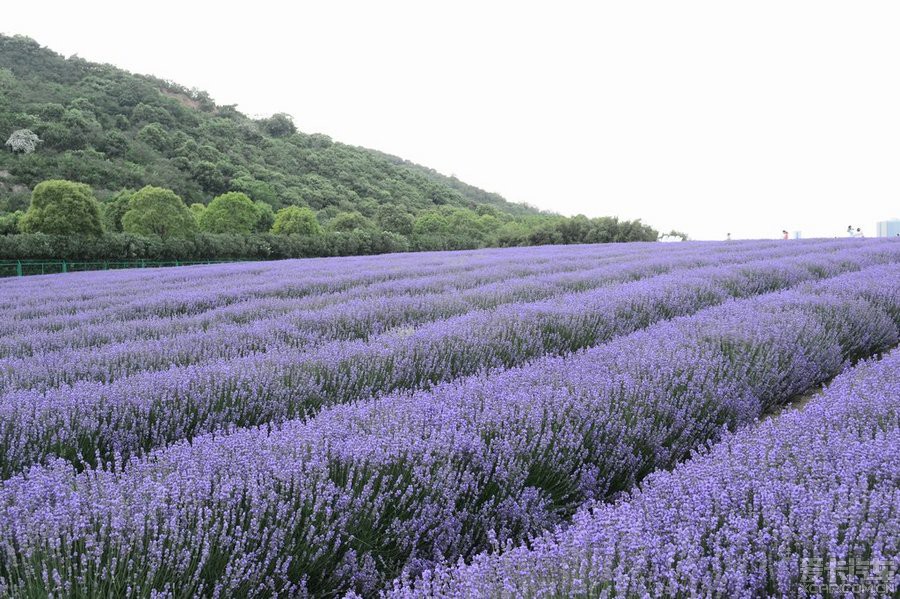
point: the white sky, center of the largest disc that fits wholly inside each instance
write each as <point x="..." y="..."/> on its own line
<point x="708" y="117"/>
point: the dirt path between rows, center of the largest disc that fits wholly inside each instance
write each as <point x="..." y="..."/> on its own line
<point x="799" y="401"/>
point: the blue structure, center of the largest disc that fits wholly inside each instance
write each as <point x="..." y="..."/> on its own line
<point x="888" y="228"/>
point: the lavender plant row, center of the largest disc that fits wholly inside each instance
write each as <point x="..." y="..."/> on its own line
<point x="199" y="293"/>
<point x="63" y="325"/>
<point x="123" y="294"/>
<point x="805" y="505"/>
<point x="162" y="292"/>
<point x="92" y="422"/>
<point x="304" y="327"/>
<point x="364" y="492"/>
<point x="149" y="348"/>
<point x="70" y="328"/>
<point x="303" y="277"/>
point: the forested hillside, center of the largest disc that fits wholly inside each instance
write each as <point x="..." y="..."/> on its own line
<point x="111" y="129"/>
<point x="117" y="132"/>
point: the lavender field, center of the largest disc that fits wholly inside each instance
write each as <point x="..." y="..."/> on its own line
<point x="533" y="422"/>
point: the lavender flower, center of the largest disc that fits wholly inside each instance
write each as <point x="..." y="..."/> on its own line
<point x="804" y="505"/>
<point x="391" y="486"/>
<point x="91" y="422"/>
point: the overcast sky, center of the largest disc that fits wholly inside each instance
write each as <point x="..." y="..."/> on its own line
<point x="707" y="117"/>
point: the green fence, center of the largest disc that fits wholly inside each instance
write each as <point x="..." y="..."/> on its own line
<point x="21" y="268"/>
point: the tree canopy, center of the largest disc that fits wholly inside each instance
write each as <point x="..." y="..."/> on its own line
<point x="231" y="212"/>
<point x="23" y="141"/>
<point x="391" y="217"/>
<point x="279" y="125"/>
<point x="159" y="212"/>
<point x="62" y="208"/>
<point x="349" y="221"/>
<point x="115" y="208"/>
<point x="294" y="220"/>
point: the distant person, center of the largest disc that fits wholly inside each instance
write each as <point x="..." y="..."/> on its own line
<point x="728" y="237"/>
<point x="849" y="230"/>
<point x="785" y="235"/>
<point x="859" y="232"/>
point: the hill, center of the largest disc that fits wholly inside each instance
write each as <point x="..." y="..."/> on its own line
<point x="114" y="131"/>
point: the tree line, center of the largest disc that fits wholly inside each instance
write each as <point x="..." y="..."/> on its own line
<point x="65" y="220"/>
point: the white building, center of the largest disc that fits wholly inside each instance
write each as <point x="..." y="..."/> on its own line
<point x="888" y="228"/>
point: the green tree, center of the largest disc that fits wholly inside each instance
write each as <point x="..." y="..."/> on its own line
<point x="431" y="222"/>
<point x="61" y="207"/>
<point x="114" y="144"/>
<point x="259" y="191"/>
<point x="154" y="136"/>
<point x="197" y="209"/>
<point x="489" y="224"/>
<point x="279" y="125"/>
<point x="295" y="220"/>
<point x="265" y="217"/>
<point x="466" y="226"/>
<point x="158" y="211"/>
<point x="349" y="221"/>
<point x="576" y="229"/>
<point x="512" y="234"/>
<point x="208" y="176"/>
<point x="231" y="212"/>
<point x="115" y="209"/>
<point x="9" y="223"/>
<point x="394" y="219"/>
<point x="76" y="130"/>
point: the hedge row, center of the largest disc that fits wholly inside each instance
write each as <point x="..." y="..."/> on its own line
<point x="205" y="246"/>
